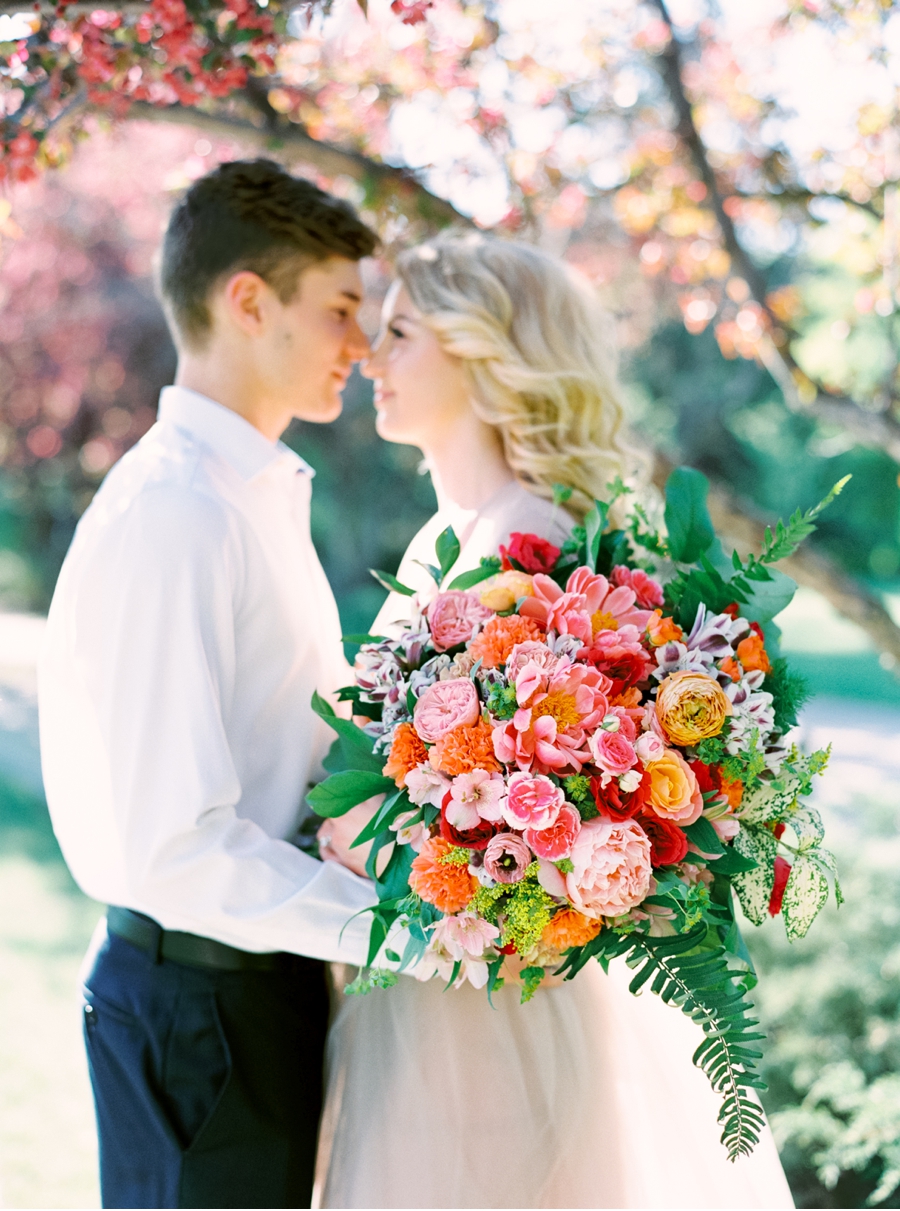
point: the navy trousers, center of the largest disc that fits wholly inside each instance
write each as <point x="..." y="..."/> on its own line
<point x="207" y="1084"/>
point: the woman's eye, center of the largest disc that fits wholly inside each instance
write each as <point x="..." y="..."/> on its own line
<point x="394" y="331"/>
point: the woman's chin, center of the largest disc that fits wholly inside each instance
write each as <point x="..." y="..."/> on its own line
<point x="391" y="430"/>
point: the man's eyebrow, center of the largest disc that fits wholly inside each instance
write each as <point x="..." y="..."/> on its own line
<point x="353" y="297"/>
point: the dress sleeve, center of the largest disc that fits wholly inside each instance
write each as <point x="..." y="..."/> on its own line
<point x="137" y="683"/>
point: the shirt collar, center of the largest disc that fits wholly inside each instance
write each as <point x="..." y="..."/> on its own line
<point x="234" y="439"/>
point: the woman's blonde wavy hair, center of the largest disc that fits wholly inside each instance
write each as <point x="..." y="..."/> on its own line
<point x="538" y="353"/>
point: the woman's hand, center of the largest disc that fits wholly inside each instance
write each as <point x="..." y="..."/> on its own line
<point x="336" y="836"/>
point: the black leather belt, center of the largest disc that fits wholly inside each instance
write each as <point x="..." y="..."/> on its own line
<point x="189" y="948"/>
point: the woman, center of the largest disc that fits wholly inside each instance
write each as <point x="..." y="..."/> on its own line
<point x="493" y="362"/>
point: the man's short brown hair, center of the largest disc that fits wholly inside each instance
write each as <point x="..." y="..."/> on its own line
<point x="251" y="215"/>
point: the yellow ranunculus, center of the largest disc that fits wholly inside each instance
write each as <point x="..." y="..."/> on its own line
<point x="502" y="592"/>
<point x="691" y="707"/>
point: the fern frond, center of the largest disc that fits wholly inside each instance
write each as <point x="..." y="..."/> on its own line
<point x="788" y="537"/>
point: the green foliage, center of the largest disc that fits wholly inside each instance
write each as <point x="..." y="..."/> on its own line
<point x="531" y="978"/>
<point x="490" y="566"/>
<point x="578" y="792"/>
<point x="447" y="550"/>
<point x="690" y="531"/>
<point x="502" y="701"/>
<point x="339" y="792"/>
<point x="789" y="693"/>
<point x="387" y="581"/>
<point x="369" y="979"/>
<point x="787" y="538"/>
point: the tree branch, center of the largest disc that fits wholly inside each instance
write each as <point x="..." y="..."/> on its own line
<point x="868" y="428"/>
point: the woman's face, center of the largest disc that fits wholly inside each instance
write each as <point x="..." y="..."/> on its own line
<point x="420" y="391"/>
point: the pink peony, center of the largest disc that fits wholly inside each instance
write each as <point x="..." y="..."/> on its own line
<point x="506" y="858"/>
<point x="532" y="802"/>
<point x="556" y="841"/>
<point x="444" y="706"/>
<point x="474" y="797"/>
<point x="588" y="605"/>
<point x="454" y="617"/>
<point x="612" y="752"/>
<point x="611" y="867"/>
<point x="647" y="591"/>
<point x="464" y="933"/>
<point x="558" y="711"/>
<point x="530" y="652"/>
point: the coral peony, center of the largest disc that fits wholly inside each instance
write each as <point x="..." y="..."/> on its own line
<point x="407" y="752"/>
<point x="588" y="605"/>
<point x="464" y="749"/>
<point x="454" y="617"/>
<point x="444" y="706"/>
<point x="507" y="857"/>
<point x="500" y="636"/>
<point x="668" y="843"/>
<point x="531" y="553"/>
<point x="533" y="801"/>
<point x="672" y="789"/>
<point x="503" y="591"/>
<point x="570" y="928"/>
<point x="446" y="885"/>
<point x="691" y="707"/>
<point x="611" y="868"/>
<point x="556" y="840"/>
<point x="647" y="592"/>
<point x="663" y="630"/>
<point x="477" y="796"/>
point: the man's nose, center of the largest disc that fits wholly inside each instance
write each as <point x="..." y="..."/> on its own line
<point x="357" y="343"/>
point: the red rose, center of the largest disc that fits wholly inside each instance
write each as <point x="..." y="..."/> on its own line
<point x="531" y="553"/>
<point x="616" y="803"/>
<point x="626" y="666"/>
<point x="704" y="777"/>
<point x="668" y="842"/>
<point x="467" y="838"/>
<point x="782" y="873"/>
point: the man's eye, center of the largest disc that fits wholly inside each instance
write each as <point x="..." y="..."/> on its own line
<point x="342" y="313"/>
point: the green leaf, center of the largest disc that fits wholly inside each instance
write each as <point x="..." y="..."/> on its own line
<point x="561" y="493"/>
<point x="770" y="801"/>
<point x="754" y="887"/>
<point x="704" y="836"/>
<point x="466" y="580"/>
<point x="385" y="816"/>
<point x="788" y="537"/>
<point x="687" y="517"/>
<point x="391" y="582"/>
<point x="363" y="638"/>
<point x="337" y="794"/>
<point x="768" y="597"/>
<point x="433" y="572"/>
<point x="809" y="829"/>
<point x="447" y="550"/>
<point x="594" y="525"/>
<point x="353" y="750"/>
<point x="804" y="895"/>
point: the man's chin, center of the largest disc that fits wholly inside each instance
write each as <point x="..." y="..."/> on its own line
<point x="328" y="410"/>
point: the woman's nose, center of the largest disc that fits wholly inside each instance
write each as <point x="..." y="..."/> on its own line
<point x="372" y="366"/>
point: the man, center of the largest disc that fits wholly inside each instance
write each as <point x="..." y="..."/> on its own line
<point x="190" y="626"/>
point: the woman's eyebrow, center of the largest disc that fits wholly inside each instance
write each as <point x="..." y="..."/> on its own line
<point x="400" y="316"/>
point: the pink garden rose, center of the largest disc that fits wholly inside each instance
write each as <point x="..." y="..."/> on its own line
<point x="532" y="802"/>
<point x="454" y="617"/>
<point x="506" y="858"/>
<point x="611" y="867"/>
<point x="556" y="841"/>
<point x="530" y="652"/>
<point x="444" y="706"/>
<point x="612" y="752"/>
<point x="649" y="747"/>
<point x="474" y="797"/>
<point x="648" y="592"/>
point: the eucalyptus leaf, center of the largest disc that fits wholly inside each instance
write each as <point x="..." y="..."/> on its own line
<point x="687" y="517"/>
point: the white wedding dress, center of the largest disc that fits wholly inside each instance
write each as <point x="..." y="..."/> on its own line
<point x="584" y="1097"/>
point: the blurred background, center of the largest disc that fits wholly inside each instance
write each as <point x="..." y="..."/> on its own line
<point x="727" y="177"/>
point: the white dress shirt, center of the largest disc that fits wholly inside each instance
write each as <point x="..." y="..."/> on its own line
<point x="190" y="626"/>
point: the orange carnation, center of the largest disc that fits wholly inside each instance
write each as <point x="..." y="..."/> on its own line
<point x="446" y="885"/>
<point x="661" y="630"/>
<point x="752" y="654"/>
<point x="569" y="928"/>
<point x="407" y="752"/>
<point x="465" y="748"/>
<point x="731" y="788"/>
<point x="500" y="636"/>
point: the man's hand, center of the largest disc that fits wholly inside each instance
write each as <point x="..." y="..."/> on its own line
<point x="336" y="836"/>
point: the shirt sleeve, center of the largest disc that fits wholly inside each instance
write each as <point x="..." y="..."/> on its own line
<point x="139" y="773"/>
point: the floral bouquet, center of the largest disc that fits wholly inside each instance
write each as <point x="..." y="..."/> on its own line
<point x="582" y="752"/>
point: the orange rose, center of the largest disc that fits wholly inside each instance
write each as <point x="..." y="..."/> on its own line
<point x="407" y="752"/>
<point x="752" y="654"/>
<point x="661" y="630"/>
<point x="569" y="928"/>
<point x="691" y="707"/>
<point x="730" y="666"/>
<point x="446" y="885"/>
<point x="672" y="789"/>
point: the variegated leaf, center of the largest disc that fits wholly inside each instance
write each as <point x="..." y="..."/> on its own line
<point x="754" y="887"/>
<point x="770" y="800"/>
<point x="806" y="892"/>
<point x="827" y="862"/>
<point x="807" y="824"/>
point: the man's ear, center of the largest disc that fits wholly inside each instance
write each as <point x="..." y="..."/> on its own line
<point x="247" y="300"/>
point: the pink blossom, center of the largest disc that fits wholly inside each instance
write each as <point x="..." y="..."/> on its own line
<point x="474" y="797"/>
<point x="647" y="591"/>
<point x="464" y="933"/>
<point x="552" y="879"/>
<point x="530" y="652"/>
<point x="444" y="706"/>
<point x="727" y="826"/>
<point x="588" y="605"/>
<point x="426" y="785"/>
<point x="454" y="617"/>
<point x="533" y="801"/>
<point x="648" y="747"/>
<point x="612" y="752"/>
<point x="409" y="833"/>
<point x="556" y="841"/>
<point x="611" y="867"/>
<point x="558" y="711"/>
<point x="506" y="857"/>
